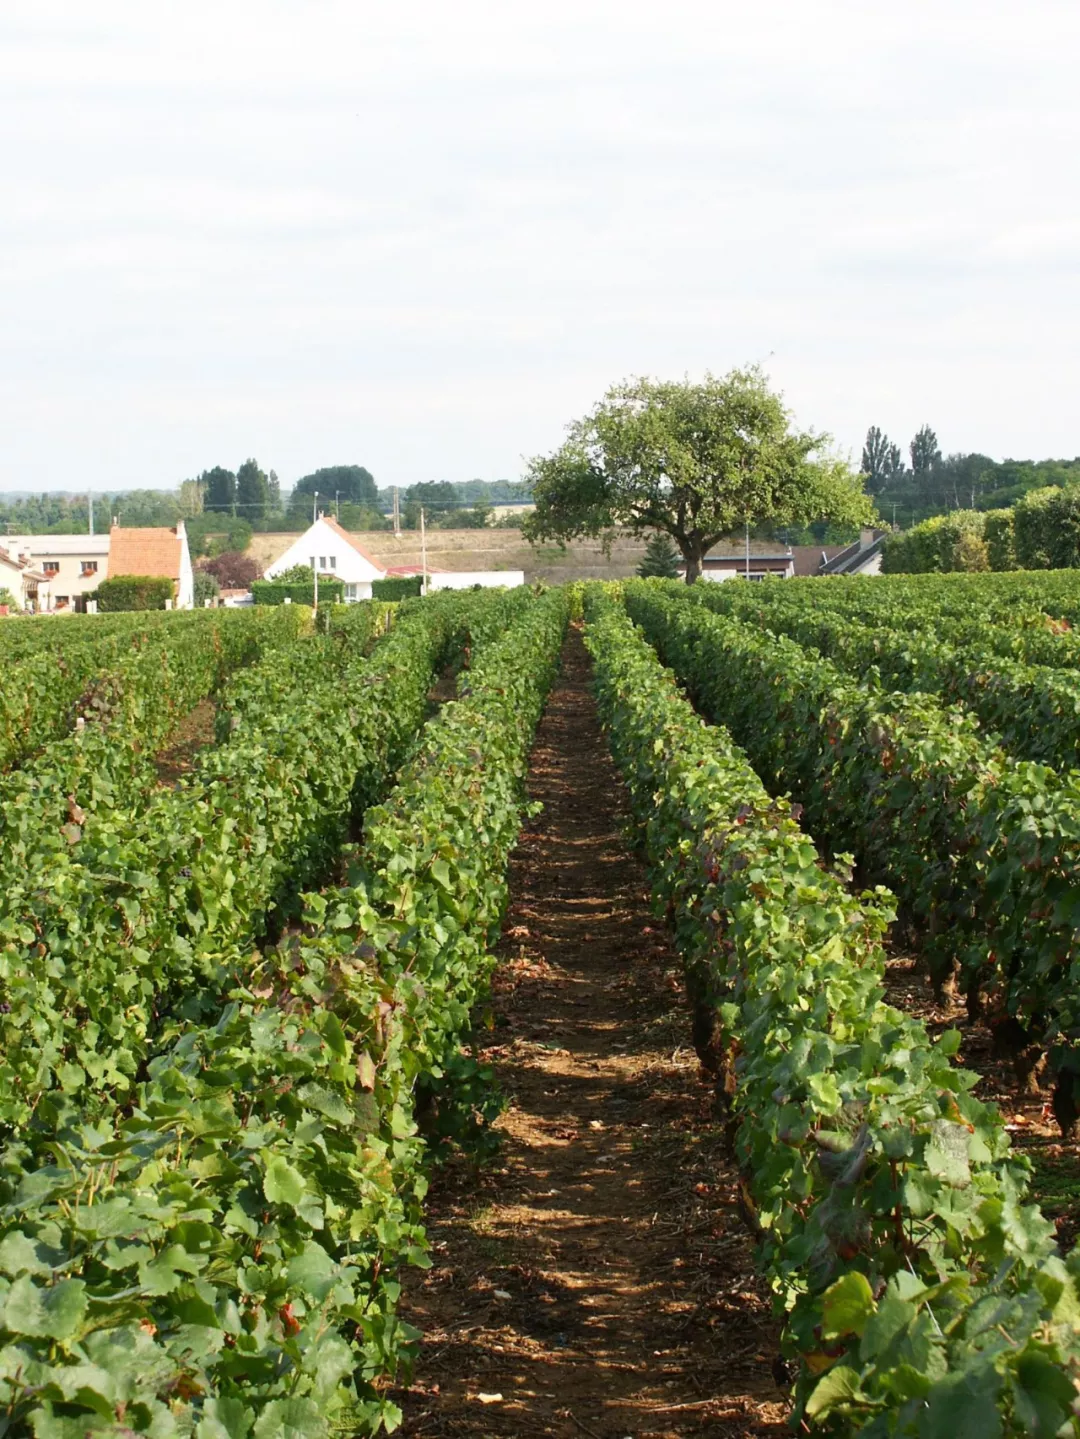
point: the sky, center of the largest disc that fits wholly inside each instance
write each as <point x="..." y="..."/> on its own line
<point x="423" y="237"/>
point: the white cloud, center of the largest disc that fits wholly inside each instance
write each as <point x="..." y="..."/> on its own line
<point x="423" y="237"/>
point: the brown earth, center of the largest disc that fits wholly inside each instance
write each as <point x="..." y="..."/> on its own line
<point x="597" y="1279"/>
<point x="194" y="733"/>
<point x="483" y="550"/>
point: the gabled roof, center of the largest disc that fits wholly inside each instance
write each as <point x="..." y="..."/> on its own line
<point x="24" y="566"/>
<point x="350" y="541"/>
<point x="145" y="552"/>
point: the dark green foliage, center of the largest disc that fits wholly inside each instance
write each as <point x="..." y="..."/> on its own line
<point x="216" y="534"/>
<point x="396" y="587"/>
<point x="133" y="592"/>
<point x="252" y="491"/>
<point x="881" y="460"/>
<point x="276" y="592"/>
<point x="219" y="490"/>
<point x="661" y="559"/>
<point x="205" y="587"/>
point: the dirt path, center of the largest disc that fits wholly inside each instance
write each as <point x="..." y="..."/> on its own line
<point x="596" y="1279"/>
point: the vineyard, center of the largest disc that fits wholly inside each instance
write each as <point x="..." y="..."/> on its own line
<point x="278" y="904"/>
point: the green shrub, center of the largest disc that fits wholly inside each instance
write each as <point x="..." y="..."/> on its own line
<point x="133" y="592"/>
<point x="1000" y="539"/>
<point x="206" y="588"/>
<point x="397" y="587"/>
<point x="274" y="592"/>
<point x="1046" y="525"/>
<point x="934" y="546"/>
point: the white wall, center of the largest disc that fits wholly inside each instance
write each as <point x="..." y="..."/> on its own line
<point x="326" y="544"/>
<point x="465" y="579"/>
<point x="185" y="594"/>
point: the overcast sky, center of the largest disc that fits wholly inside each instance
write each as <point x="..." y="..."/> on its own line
<point x="424" y="236"/>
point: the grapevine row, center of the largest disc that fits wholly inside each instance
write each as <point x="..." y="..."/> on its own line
<point x="221" y="1255"/>
<point x="917" y="1287"/>
<point x="1033" y="709"/>
<point x="982" y="851"/>
<point x="145" y="908"/>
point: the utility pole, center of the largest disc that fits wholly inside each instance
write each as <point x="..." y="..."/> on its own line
<point x="90" y="502"/>
<point x="314" y="559"/>
<point x="397" y="515"/>
<point x="748" y="549"/>
<point x="423" y="552"/>
<point x="337" y="506"/>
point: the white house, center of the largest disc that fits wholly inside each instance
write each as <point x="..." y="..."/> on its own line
<point x="27" y="585"/>
<point x="325" y="546"/>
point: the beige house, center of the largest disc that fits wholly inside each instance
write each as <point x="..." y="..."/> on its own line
<point x="74" y="565"/>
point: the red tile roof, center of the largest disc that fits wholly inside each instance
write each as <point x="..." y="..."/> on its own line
<point x="144" y="552"/>
<point x="24" y="565"/>
<point x="329" y="520"/>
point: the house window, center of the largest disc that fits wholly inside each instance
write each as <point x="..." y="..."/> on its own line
<point x="313" y="562"/>
<point x="51" y="567"/>
<point x="89" y="567"/>
<point x="333" y="562"/>
<point x="322" y="562"/>
<point x="61" y="601"/>
<point x="350" y="592"/>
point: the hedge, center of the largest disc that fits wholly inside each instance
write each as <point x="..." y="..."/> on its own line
<point x="1040" y="532"/>
<point x="133" y="592"/>
<point x="269" y="592"/>
<point x="397" y="587"/>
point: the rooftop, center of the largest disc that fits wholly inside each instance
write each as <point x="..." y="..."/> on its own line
<point x="145" y="552"/>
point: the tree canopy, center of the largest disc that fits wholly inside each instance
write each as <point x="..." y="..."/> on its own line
<point x="693" y="460"/>
<point x="352" y="484"/>
<point x="252" y="491"/>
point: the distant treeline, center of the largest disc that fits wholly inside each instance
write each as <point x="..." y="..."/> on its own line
<point x="928" y="483"/>
<point x="222" y="508"/>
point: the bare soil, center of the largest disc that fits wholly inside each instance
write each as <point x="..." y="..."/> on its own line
<point x="194" y="733"/>
<point x="1028" y="1118"/>
<point x="597" y="1278"/>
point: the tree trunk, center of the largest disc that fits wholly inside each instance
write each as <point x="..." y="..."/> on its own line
<point x="693" y="568"/>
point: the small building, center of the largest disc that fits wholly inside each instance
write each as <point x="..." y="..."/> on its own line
<point x="158" y="552"/>
<point x="74" y="565"/>
<point x="327" y="549"/>
<point x="794" y="561"/>
<point x="28" y="586"/>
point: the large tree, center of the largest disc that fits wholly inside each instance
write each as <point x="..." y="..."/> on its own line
<point x="252" y="491"/>
<point x="219" y="491"/>
<point x="696" y="461"/>
<point x="352" y="484"/>
<point x="882" y="462"/>
<point x="925" y="451"/>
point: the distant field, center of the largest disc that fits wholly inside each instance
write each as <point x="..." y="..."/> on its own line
<point x="482" y="550"/>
